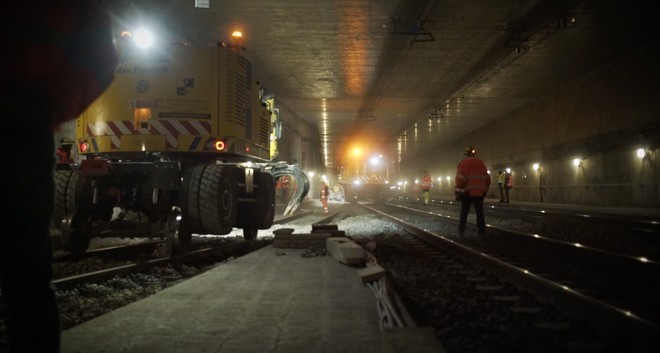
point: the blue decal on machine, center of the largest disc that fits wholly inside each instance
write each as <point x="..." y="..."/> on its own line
<point x="195" y="143"/>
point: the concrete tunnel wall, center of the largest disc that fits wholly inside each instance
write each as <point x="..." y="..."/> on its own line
<point x="602" y="118"/>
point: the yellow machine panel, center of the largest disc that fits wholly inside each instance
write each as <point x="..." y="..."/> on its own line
<point x="170" y="141"/>
<point x="180" y="98"/>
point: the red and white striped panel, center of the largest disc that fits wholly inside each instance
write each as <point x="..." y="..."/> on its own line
<point x="171" y="129"/>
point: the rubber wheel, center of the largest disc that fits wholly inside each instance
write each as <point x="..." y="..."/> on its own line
<point x="72" y="192"/>
<point x="218" y="201"/>
<point x="190" y="197"/>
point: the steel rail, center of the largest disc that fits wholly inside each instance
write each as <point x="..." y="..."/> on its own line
<point x="613" y="320"/>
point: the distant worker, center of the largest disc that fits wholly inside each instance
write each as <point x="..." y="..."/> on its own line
<point x="58" y="58"/>
<point x="470" y="187"/>
<point x="501" y="179"/>
<point x="63" y="152"/>
<point x="282" y="187"/>
<point x="325" y="194"/>
<point x="508" y="185"/>
<point x="427" y="183"/>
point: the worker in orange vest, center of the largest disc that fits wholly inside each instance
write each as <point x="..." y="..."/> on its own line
<point x="427" y="183"/>
<point x="63" y="152"/>
<point x="470" y="187"/>
<point x="325" y="194"/>
<point x="508" y="185"/>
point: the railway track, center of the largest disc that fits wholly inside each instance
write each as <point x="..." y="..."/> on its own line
<point x="122" y="260"/>
<point x="498" y="267"/>
<point x="631" y="235"/>
<point x="616" y="293"/>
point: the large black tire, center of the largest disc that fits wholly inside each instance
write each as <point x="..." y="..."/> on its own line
<point x="61" y="206"/>
<point x="72" y="193"/>
<point x="190" y="197"/>
<point x="218" y="201"/>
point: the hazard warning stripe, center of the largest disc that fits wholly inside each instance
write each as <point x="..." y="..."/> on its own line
<point x="170" y="129"/>
<point x="166" y="129"/>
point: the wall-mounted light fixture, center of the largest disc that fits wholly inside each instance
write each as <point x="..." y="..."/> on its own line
<point x="643" y="153"/>
<point x="577" y="162"/>
<point x="537" y="168"/>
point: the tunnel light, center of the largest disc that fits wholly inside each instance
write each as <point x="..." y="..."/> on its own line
<point x="202" y="4"/>
<point x="535" y="166"/>
<point x="641" y="153"/>
<point x="577" y="162"/>
<point x="143" y="38"/>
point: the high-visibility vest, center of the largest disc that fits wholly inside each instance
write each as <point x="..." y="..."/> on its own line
<point x="501" y="178"/>
<point x="426" y="183"/>
<point x="472" y="177"/>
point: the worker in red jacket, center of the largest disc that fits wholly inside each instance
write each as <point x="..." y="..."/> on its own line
<point x="470" y="187"/>
<point x="325" y="194"/>
<point x="427" y="183"/>
<point x="58" y="57"/>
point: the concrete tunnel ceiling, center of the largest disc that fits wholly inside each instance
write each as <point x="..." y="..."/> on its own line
<point x="405" y="76"/>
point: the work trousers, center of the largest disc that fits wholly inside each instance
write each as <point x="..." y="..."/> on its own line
<point x="324" y="202"/>
<point x="32" y="316"/>
<point x="466" y="202"/>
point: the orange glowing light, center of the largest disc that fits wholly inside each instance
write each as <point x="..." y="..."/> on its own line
<point x="220" y="145"/>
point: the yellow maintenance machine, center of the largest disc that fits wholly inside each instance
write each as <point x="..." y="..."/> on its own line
<point x="180" y="143"/>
